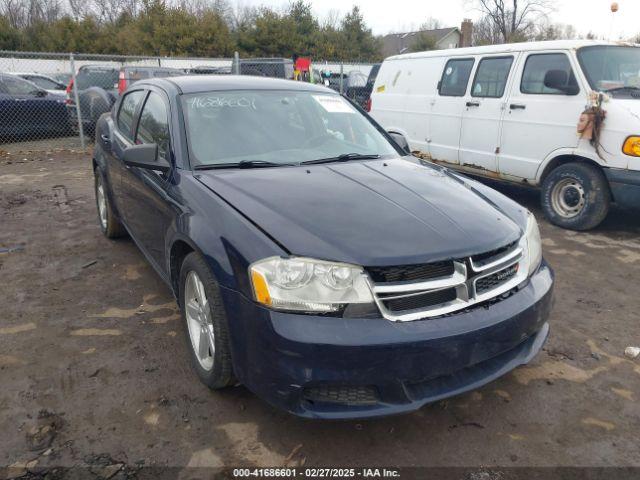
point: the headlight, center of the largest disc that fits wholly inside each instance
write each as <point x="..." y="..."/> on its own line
<point x="308" y="285"/>
<point x="534" y="245"/>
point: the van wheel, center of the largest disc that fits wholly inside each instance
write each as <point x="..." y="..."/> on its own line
<point x="205" y="323"/>
<point x="109" y="224"/>
<point x="576" y="196"/>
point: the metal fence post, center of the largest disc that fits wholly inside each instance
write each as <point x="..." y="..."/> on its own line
<point x="341" y="76"/>
<point x="77" y="100"/>
<point x="236" y="63"/>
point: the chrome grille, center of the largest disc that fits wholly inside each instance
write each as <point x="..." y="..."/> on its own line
<point x="459" y="284"/>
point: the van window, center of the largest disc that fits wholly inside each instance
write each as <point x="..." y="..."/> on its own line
<point x="491" y="77"/>
<point x="456" y="77"/>
<point x="536" y="69"/>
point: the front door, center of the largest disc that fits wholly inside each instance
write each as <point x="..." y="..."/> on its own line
<point x="483" y="112"/>
<point x="539" y="120"/>
<point x="149" y="210"/>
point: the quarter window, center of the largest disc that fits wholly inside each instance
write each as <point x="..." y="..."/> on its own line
<point x="456" y="77"/>
<point x="154" y="124"/>
<point x="536" y="69"/>
<point x="491" y="77"/>
<point x="127" y="111"/>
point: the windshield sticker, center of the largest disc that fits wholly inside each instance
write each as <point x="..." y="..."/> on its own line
<point x="221" y="102"/>
<point x="333" y="104"/>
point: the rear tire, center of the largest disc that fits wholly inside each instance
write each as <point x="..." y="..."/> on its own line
<point x="205" y="319"/>
<point x="576" y="196"/>
<point x="109" y="223"/>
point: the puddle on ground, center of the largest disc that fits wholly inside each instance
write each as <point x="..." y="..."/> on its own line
<point x="25" y="327"/>
<point x="97" y="332"/>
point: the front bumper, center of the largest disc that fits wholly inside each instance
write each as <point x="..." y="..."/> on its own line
<point x="625" y="186"/>
<point x="283" y="356"/>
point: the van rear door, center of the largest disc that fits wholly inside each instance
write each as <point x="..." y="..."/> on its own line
<point x="484" y="107"/>
<point x="540" y="120"/>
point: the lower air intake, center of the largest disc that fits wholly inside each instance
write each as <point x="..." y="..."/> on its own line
<point x="345" y="395"/>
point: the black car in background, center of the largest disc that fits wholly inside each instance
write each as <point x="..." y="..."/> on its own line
<point x="27" y="111"/>
<point x="360" y="92"/>
<point x="97" y="90"/>
<point x="99" y="87"/>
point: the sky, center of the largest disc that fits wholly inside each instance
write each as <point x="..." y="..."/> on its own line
<point x="384" y="16"/>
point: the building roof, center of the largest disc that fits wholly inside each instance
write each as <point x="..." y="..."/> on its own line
<point x="394" y="43"/>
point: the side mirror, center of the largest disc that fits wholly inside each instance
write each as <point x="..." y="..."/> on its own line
<point x="559" y="80"/>
<point x="400" y="141"/>
<point x="40" y="93"/>
<point x="145" y="156"/>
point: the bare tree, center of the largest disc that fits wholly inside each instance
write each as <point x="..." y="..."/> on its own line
<point x="514" y="18"/>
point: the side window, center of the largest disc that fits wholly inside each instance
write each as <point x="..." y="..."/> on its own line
<point x="154" y="124"/>
<point x="491" y="77"/>
<point x="538" y="66"/>
<point x="456" y="77"/>
<point x="127" y="111"/>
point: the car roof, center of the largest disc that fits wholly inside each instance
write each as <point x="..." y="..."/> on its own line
<point x="509" y="47"/>
<point x="207" y="83"/>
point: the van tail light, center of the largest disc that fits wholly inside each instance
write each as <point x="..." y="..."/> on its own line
<point x="122" y="82"/>
<point x="367" y="105"/>
<point x="69" y="100"/>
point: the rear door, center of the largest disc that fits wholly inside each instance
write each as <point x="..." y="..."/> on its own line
<point x="8" y="121"/>
<point x="539" y="120"/>
<point x="447" y="109"/>
<point x="121" y="138"/>
<point x="484" y="107"/>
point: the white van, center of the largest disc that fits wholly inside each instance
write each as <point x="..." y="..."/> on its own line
<point x="512" y="112"/>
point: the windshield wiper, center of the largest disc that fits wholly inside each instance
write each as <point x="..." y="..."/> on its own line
<point x="619" y="89"/>
<point x="345" y="157"/>
<point x="243" y="164"/>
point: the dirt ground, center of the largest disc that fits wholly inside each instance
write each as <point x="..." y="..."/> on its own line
<point x="94" y="369"/>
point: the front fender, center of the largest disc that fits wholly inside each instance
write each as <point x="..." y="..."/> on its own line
<point x="228" y="241"/>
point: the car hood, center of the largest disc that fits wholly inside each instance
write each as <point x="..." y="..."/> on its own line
<point x="390" y="212"/>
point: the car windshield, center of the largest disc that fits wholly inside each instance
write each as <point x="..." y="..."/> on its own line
<point x="18" y="86"/>
<point x="609" y="68"/>
<point x="277" y="127"/>
<point x="45" y="83"/>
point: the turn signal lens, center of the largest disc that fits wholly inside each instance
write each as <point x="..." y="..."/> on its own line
<point x="632" y="146"/>
<point x="260" y="288"/>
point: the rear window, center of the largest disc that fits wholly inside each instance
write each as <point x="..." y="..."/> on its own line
<point x="97" y="77"/>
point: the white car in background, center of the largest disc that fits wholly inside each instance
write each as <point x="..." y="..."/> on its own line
<point x="45" y="82"/>
<point x="514" y="113"/>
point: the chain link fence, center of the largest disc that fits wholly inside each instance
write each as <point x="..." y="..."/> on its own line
<point x="52" y="101"/>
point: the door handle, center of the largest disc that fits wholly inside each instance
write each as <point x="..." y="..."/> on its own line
<point x="517" y="106"/>
<point x="473" y="104"/>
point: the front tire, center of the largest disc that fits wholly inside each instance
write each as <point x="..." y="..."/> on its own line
<point x="205" y="323"/>
<point x="576" y="196"/>
<point x="109" y="223"/>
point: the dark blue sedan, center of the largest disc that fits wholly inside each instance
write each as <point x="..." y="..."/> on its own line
<point x="314" y="261"/>
<point x="27" y="111"/>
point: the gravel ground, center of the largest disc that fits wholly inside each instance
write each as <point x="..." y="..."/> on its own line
<point x="94" y="369"/>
